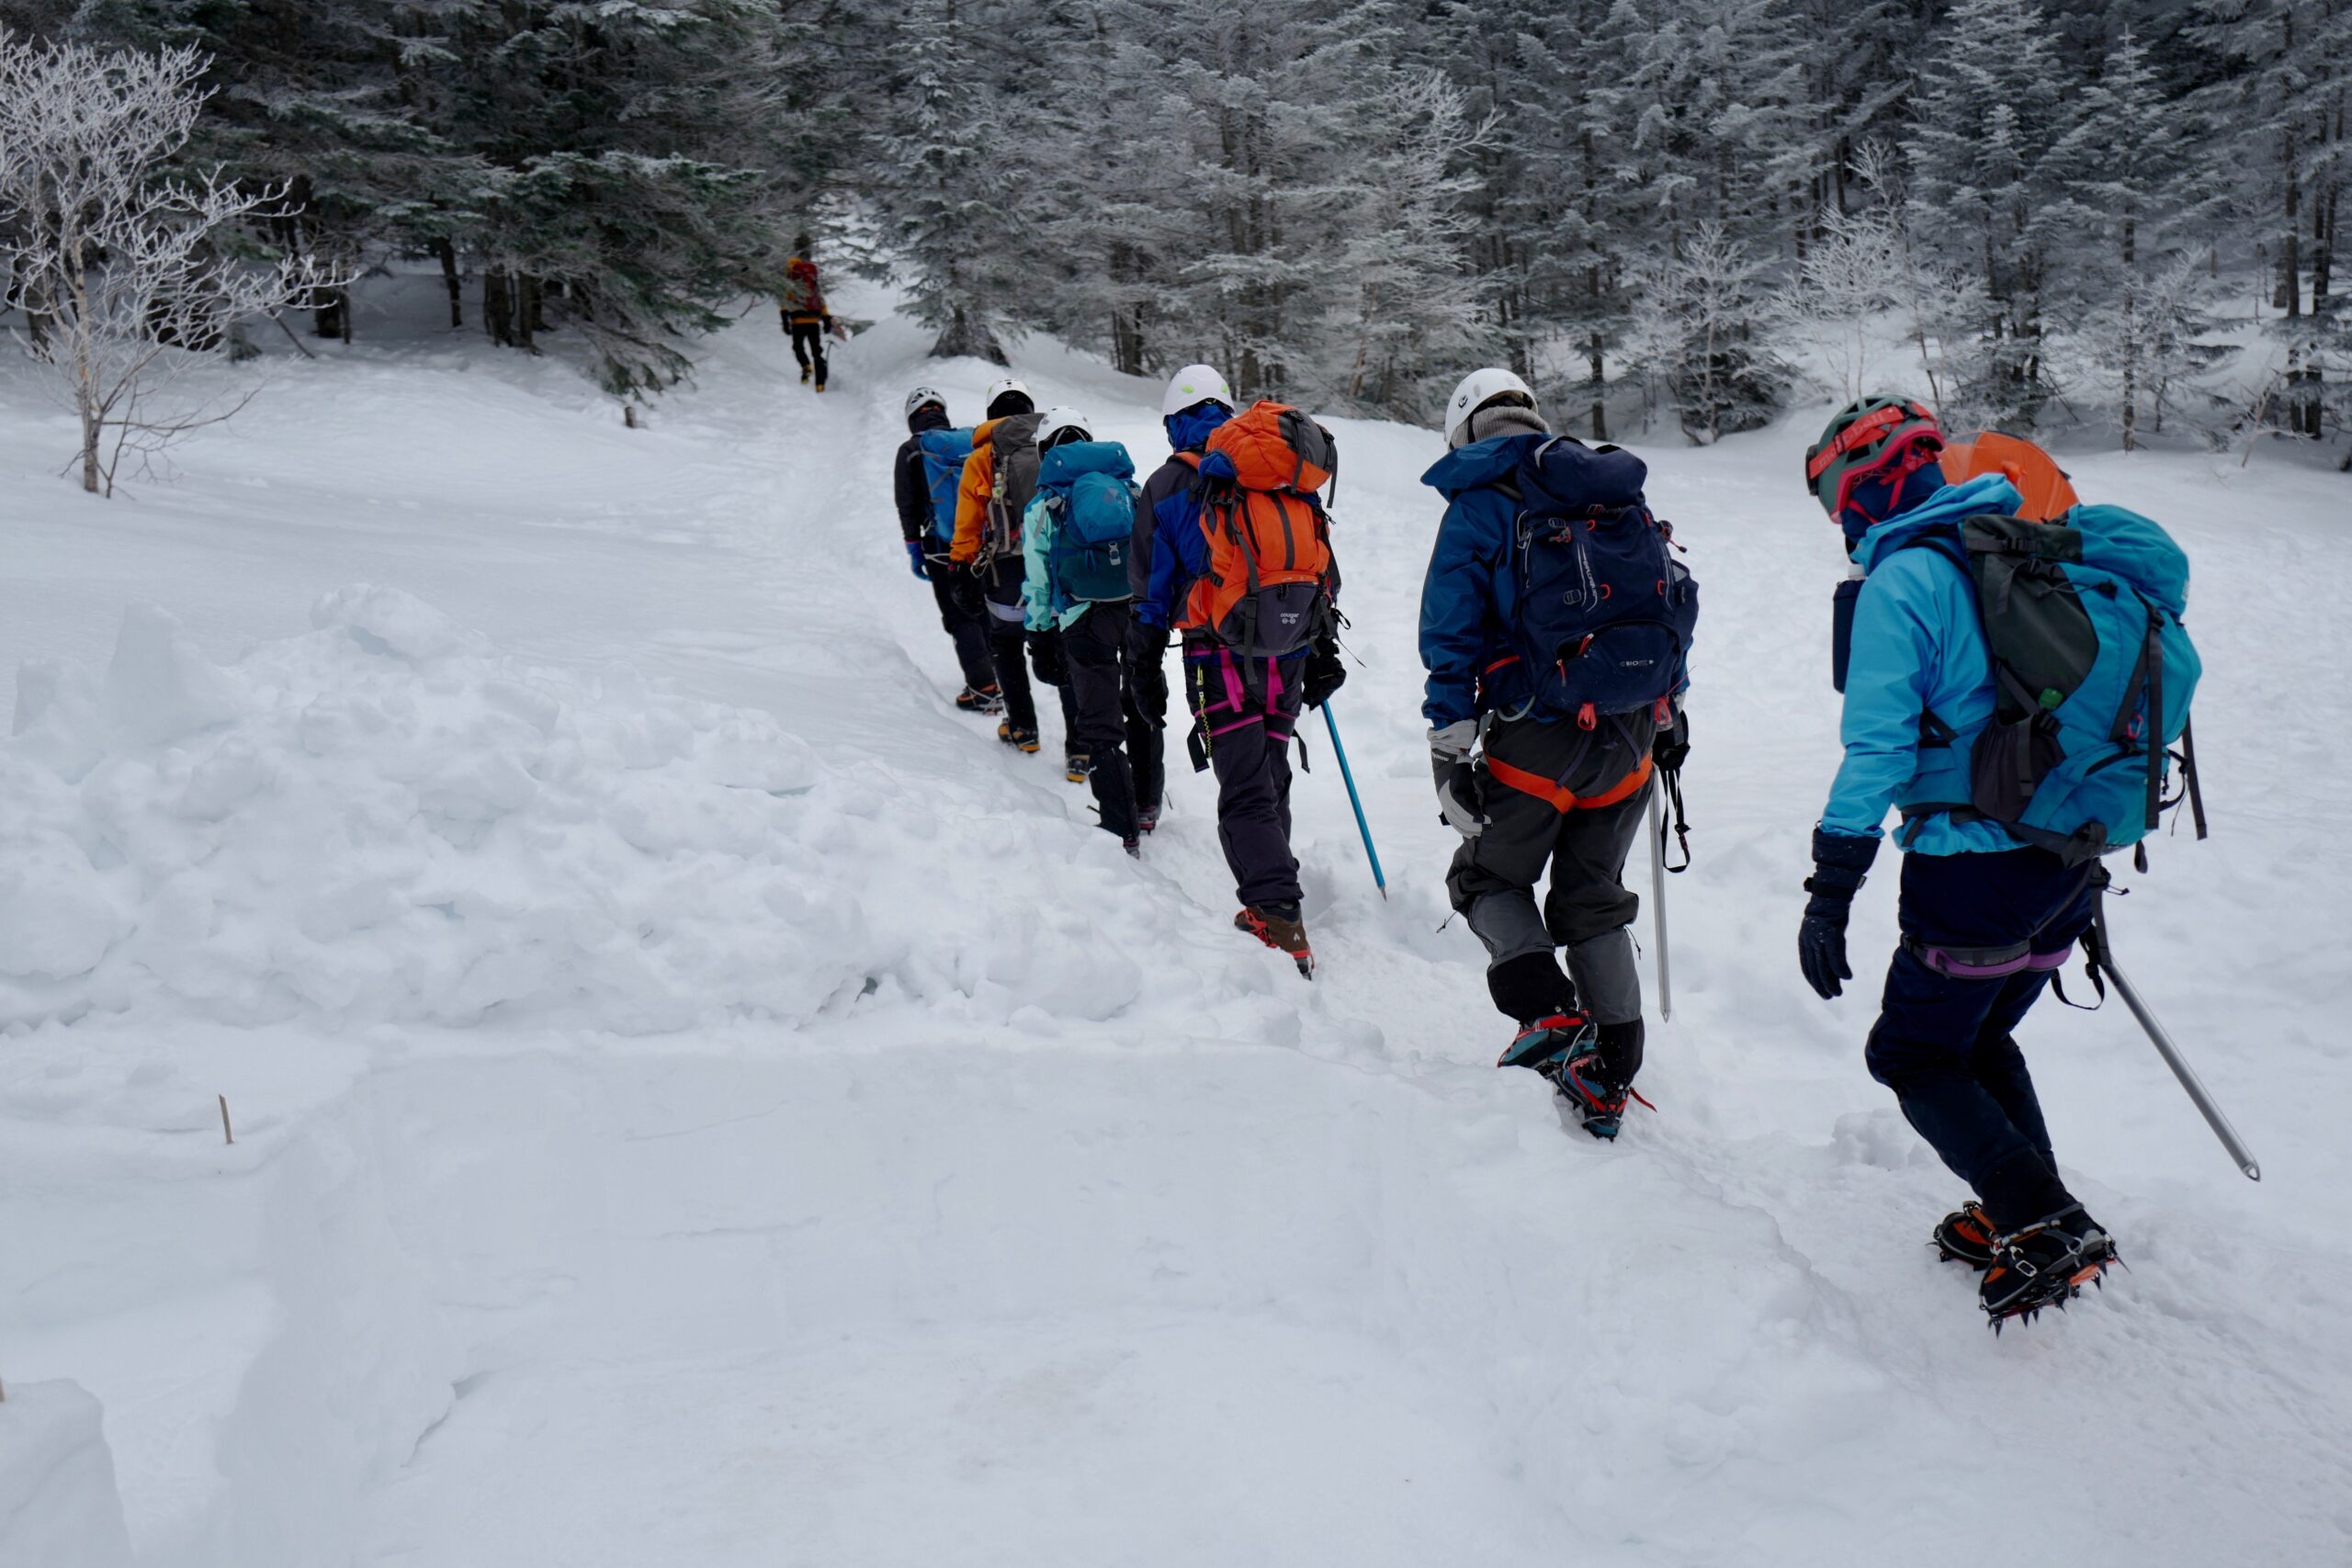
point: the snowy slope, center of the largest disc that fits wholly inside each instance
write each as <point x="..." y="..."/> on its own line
<point x="699" y="1101"/>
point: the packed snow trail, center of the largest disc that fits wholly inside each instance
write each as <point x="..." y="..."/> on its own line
<point x="1033" y="1216"/>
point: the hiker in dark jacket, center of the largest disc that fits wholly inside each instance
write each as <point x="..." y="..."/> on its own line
<point x="1537" y="797"/>
<point x="1167" y="523"/>
<point x="926" y="539"/>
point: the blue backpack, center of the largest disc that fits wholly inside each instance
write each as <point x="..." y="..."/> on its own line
<point x="1089" y="487"/>
<point x="943" y="452"/>
<point x="1605" y="613"/>
<point x="2093" y="673"/>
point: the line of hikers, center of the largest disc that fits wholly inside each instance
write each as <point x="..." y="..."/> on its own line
<point x="2013" y="663"/>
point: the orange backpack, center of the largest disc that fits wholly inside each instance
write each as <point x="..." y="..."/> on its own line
<point x="2046" y="494"/>
<point x="1268" y="588"/>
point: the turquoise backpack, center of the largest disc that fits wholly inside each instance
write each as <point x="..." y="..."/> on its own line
<point x="1089" y="489"/>
<point x="2093" y="674"/>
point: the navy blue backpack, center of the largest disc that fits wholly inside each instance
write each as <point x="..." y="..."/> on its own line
<point x="1605" y="613"/>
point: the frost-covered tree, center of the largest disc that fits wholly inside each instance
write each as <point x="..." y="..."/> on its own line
<point x="1700" y="330"/>
<point x="125" y="272"/>
<point x="1985" y="188"/>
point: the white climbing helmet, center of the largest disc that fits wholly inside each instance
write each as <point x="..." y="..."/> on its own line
<point x="1193" y="385"/>
<point x="1058" y="423"/>
<point x="1001" y="386"/>
<point x="923" y="396"/>
<point x="1477" y="390"/>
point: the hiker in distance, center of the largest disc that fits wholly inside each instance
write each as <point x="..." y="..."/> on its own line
<point x="992" y="497"/>
<point x="1196" y="404"/>
<point x="925" y="479"/>
<point x="2018" y="750"/>
<point x="1257" y="588"/>
<point x="806" y="320"/>
<point x="1554" y="624"/>
<point x="1075" y="537"/>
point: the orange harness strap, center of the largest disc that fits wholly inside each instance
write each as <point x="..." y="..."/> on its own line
<point x="1560" y="798"/>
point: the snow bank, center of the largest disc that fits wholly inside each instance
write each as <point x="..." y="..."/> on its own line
<point x="58" y="1506"/>
<point x="384" y="820"/>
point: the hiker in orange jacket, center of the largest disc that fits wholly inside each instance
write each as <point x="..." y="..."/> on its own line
<point x="999" y="477"/>
<point x="802" y="306"/>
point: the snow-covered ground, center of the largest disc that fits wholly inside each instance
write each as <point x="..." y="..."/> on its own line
<point x="699" y="1100"/>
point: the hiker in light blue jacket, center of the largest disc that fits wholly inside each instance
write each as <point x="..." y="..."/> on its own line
<point x="1076" y="539"/>
<point x="2011" y="783"/>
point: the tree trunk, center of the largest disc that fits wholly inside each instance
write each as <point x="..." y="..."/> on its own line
<point x="527" y="312"/>
<point x="498" y="307"/>
<point x="1600" y="384"/>
<point x="2288" y="294"/>
<point x="329" y="310"/>
<point x="448" y="251"/>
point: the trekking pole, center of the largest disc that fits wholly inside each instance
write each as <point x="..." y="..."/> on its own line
<point x="2104" y="958"/>
<point x="1658" y="906"/>
<point x="1378" y="878"/>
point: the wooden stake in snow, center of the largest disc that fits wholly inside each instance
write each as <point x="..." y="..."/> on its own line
<point x="226" y="1136"/>
<point x="629" y="415"/>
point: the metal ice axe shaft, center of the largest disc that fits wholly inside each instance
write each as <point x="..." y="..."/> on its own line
<point x="2104" y="959"/>
<point x="1657" y="903"/>
<point x="1378" y="878"/>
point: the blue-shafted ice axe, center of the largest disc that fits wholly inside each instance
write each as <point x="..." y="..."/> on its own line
<point x="1348" y="775"/>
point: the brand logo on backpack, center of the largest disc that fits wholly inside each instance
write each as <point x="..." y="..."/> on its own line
<point x="1268" y="588"/>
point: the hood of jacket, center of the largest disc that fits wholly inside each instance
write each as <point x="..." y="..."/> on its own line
<point x="1480" y="464"/>
<point x="1948" y="508"/>
<point x="1189" y="430"/>
<point x="930" y="416"/>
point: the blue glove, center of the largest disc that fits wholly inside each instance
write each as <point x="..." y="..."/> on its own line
<point x="914" y="559"/>
<point x="1841" y="864"/>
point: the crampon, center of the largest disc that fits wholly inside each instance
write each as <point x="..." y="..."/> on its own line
<point x="2045" y="1264"/>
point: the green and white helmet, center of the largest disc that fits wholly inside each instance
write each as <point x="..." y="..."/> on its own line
<point x="1860" y="439"/>
<point x="1192" y="386"/>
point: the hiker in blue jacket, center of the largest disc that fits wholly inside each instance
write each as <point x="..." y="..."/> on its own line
<point x="926" y="537"/>
<point x="1169" y="552"/>
<point x="1988" y="911"/>
<point x="1528" y="787"/>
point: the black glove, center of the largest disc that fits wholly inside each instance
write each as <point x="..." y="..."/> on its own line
<point x="1671" y="748"/>
<point x="1325" y="673"/>
<point x="1146" y="644"/>
<point x="1045" y="656"/>
<point x="1841" y="864"/>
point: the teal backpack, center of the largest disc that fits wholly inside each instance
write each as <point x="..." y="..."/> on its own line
<point x="2093" y="673"/>
<point x="1089" y="489"/>
<point x="943" y="452"/>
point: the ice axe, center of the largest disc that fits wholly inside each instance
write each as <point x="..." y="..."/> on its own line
<point x="2098" y="952"/>
<point x="1658" y="905"/>
<point x="1348" y="775"/>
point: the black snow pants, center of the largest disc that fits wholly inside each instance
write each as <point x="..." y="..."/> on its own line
<point x="808" y="347"/>
<point x="1945" y="1045"/>
<point x="966" y="620"/>
<point x="1146" y="711"/>
<point x="1569" y="800"/>
<point x="1244" y="711"/>
<point x="1094" y="647"/>
<point x="1001" y="583"/>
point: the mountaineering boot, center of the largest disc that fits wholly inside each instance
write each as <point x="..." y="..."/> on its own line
<point x="1544" y="1045"/>
<point x="1134" y="848"/>
<point x="1076" y="766"/>
<point x="1280" y="927"/>
<point x="1019" y="740"/>
<point x="981" y="699"/>
<point x="807" y="372"/>
<point x="2045" y="1264"/>
<point x="1965" y="1236"/>
<point x="1583" y="1082"/>
<point x="1146" y="818"/>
